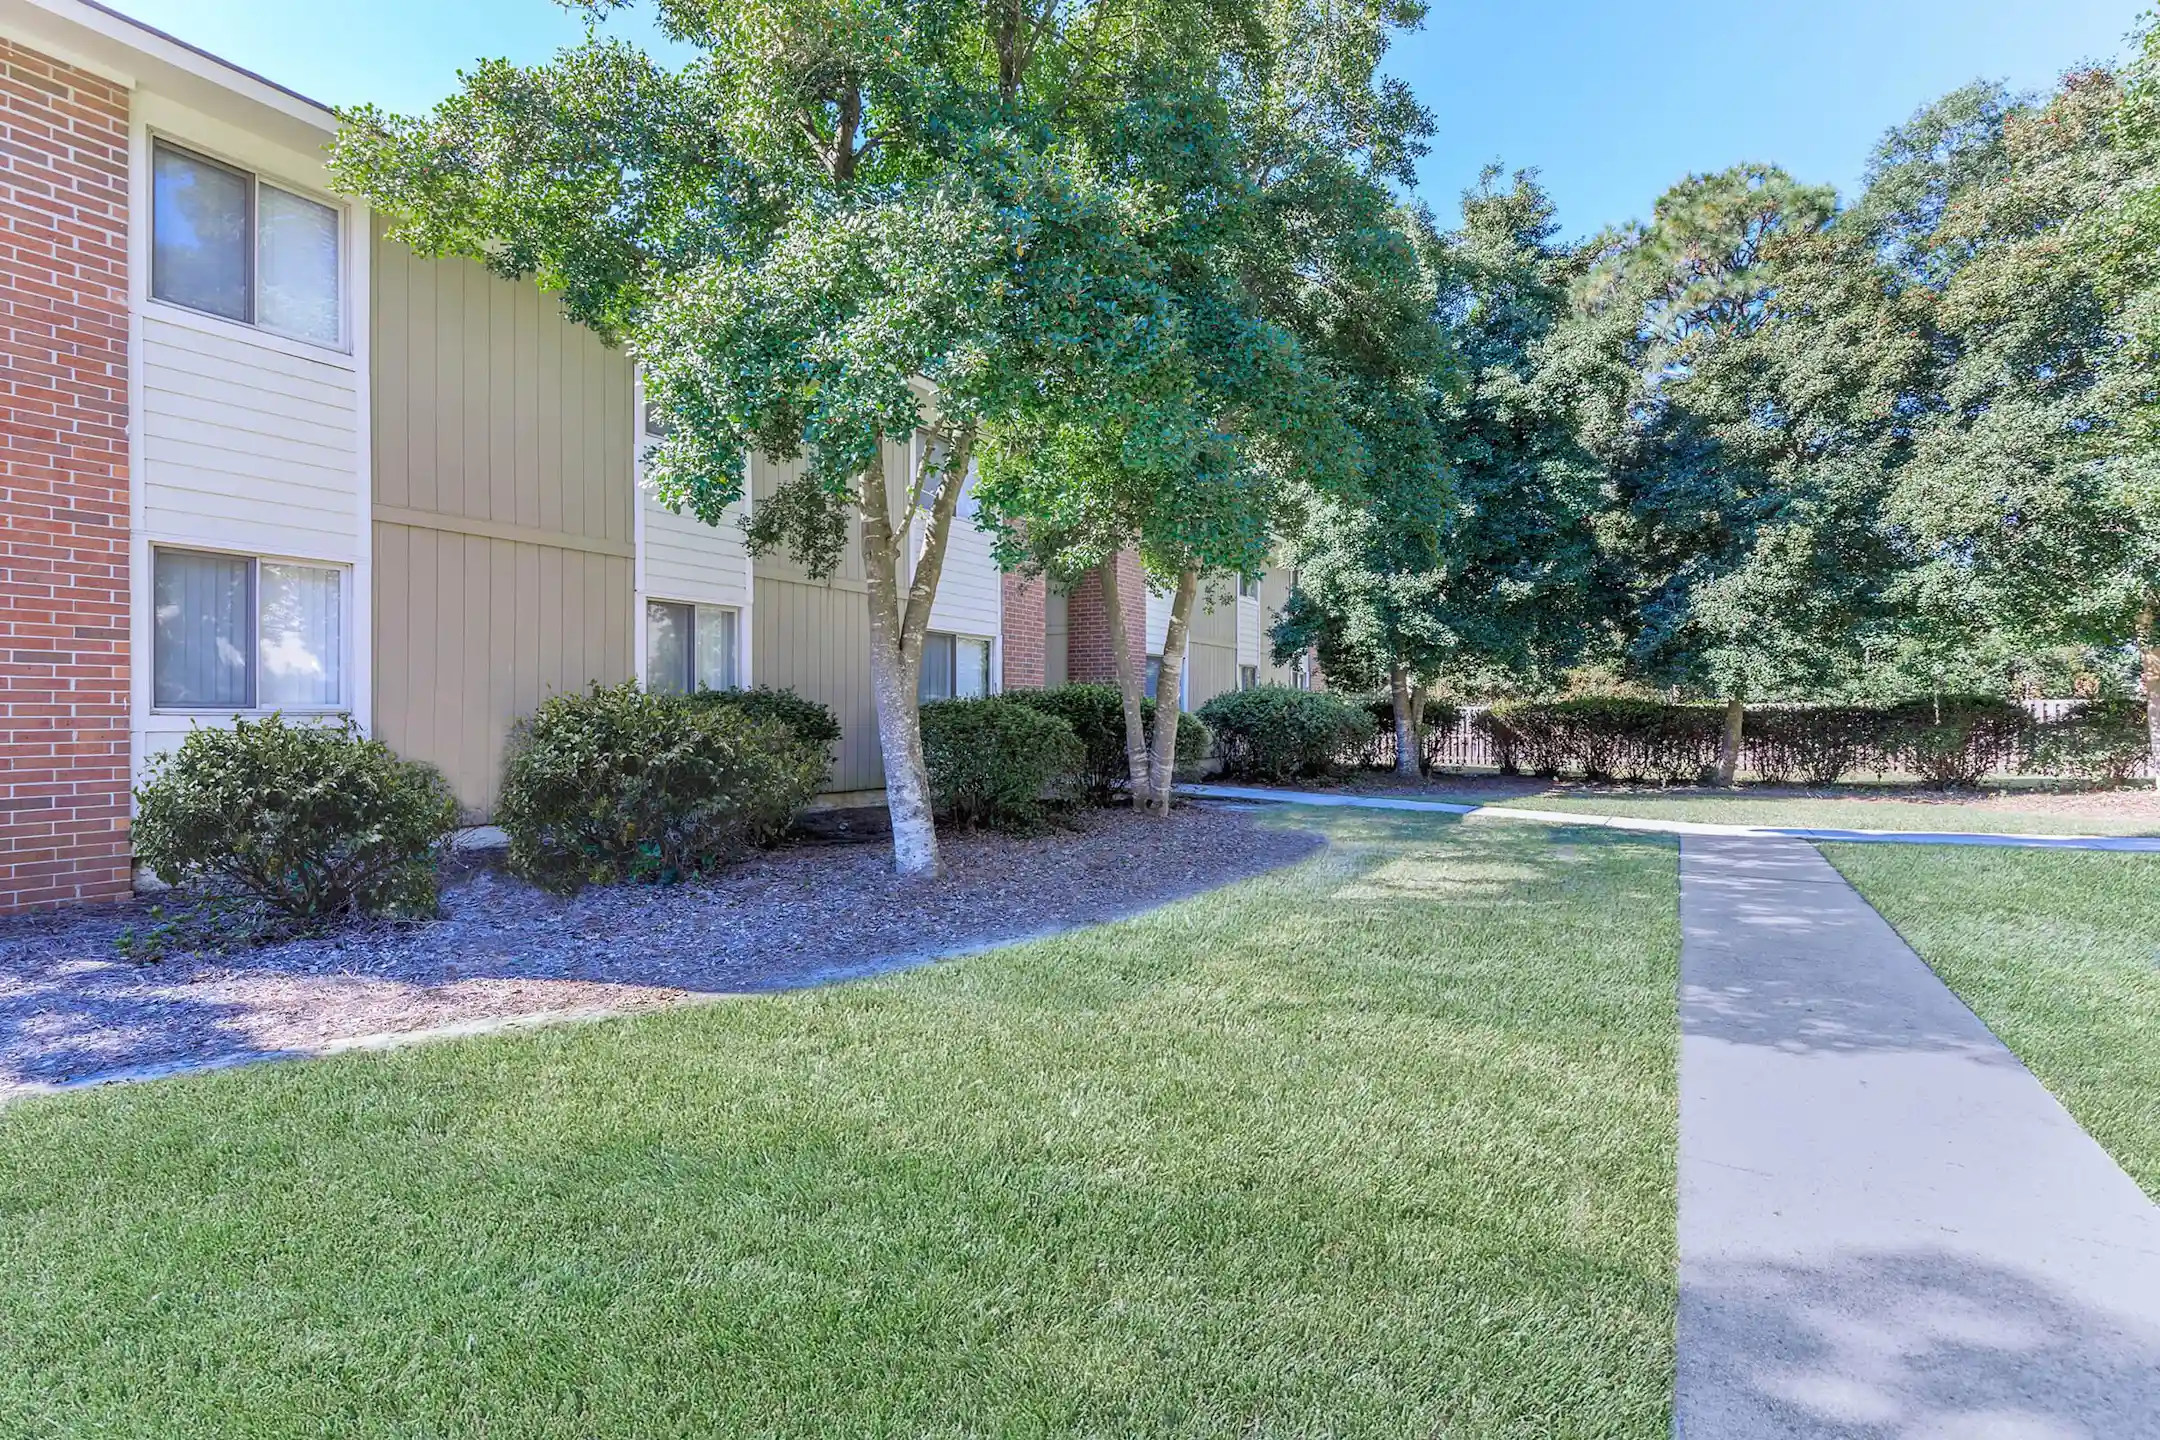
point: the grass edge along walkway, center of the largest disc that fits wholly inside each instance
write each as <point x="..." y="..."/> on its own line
<point x="1381" y="1144"/>
<point x="2059" y="954"/>
<point x="1649" y="825"/>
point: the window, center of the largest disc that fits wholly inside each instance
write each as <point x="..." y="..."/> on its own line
<point x="1154" y="675"/>
<point x="689" y="647"/>
<point x="225" y="243"/>
<point x="1248" y="677"/>
<point x="234" y="633"/>
<point x="955" y="667"/>
<point x="1249" y="586"/>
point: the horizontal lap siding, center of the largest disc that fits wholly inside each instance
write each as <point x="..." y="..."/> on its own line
<point x="246" y="446"/>
<point x="493" y="414"/>
<point x="686" y="559"/>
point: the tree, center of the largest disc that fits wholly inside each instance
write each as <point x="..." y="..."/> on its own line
<point x="845" y="223"/>
<point x="1282" y="168"/>
<point x="1744" y="512"/>
<point x="2030" y="495"/>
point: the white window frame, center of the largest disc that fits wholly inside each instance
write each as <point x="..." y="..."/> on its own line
<point x="990" y="665"/>
<point x="257" y="177"/>
<point x="693" y="606"/>
<point x="1248" y="587"/>
<point x="348" y="648"/>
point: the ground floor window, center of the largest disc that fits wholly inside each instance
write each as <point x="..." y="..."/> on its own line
<point x="1154" y="682"/>
<point x="1248" y="677"/>
<point x="689" y="647"/>
<point x="233" y="632"/>
<point x="955" y="667"/>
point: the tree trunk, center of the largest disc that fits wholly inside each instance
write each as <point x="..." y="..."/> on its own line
<point x="898" y="624"/>
<point x="2149" y="660"/>
<point x="1728" y="759"/>
<point x="1406" y="723"/>
<point x="1162" y="769"/>
<point x="1132" y="686"/>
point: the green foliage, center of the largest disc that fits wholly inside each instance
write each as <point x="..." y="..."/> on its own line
<point x="2104" y="740"/>
<point x="998" y="763"/>
<point x="1606" y="738"/>
<point x="1820" y="744"/>
<point x="1953" y="739"/>
<point x="1096" y="714"/>
<point x="309" y="821"/>
<point x="1275" y="733"/>
<point x="618" y="784"/>
<point x="813" y="725"/>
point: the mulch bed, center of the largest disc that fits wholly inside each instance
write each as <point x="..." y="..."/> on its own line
<point x="71" y="1008"/>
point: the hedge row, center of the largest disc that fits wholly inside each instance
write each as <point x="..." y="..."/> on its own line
<point x="1951" y="741"/>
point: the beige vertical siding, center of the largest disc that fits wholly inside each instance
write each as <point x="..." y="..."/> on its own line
<point x="1057" y="629"/>
<point x="502" y="521"/>
<point x="1213" y="661"/>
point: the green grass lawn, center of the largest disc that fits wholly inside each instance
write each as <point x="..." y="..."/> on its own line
<point x="1809" y="813"/>
<point x="1380" y="1145"/>
<point x="2059" y="952"/>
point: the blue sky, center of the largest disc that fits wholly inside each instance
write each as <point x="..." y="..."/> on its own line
<point x="1610" y="102"/>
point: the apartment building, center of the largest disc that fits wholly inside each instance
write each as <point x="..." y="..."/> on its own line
<point x="255" y="457"/>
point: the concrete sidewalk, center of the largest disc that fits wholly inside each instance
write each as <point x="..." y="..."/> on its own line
<point x="1887" y="1226"/>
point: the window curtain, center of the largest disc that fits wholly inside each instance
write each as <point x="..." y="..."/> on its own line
<point x="199" y="646"/>
<point x="296" y="266"/>
<point x="971" y="669"/>
<point x="715" y="635"/>
<point x="937" y="669"/>
<point x="300" y="639"/>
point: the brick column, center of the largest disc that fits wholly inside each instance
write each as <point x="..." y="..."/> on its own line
<point x="1087" y="640"/>
<point x="63" y="484"/>
<point x="1024" y="635"/>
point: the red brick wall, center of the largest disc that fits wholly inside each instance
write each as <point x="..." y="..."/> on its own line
<point x="63" y="484"/>
<point x="1087" y="636"/>
<point x="1022" y="642"/>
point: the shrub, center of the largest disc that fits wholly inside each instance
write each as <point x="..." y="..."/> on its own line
<point x="1438" y="721"/>
<point x="1276" y="733"/>
<point x="997" y="762"/>
<point x="1606" y="737"/>
<point x="1953" y="740"/>
<point x="619" y="784"/>
<point x="813" y="725"/>
<point x="2099" y="739"/>
<point x="311" y="821"/>
<point x="1820" y="744"/>
<point x="1096" y="714"/>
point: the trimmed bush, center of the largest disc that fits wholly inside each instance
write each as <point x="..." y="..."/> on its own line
<point x="1096" y="714"/>
<point x="1275" y="733"/>
<point x="1437" y="723"/>
<point x="813" y="725"/>
<point x="2102" y="740"/>
<point x="1820" y="744"/>
<point x="619" y="784"/>
<point x="311" y="821"/>
<point x="1955" y="740"/>
<point x="996" y="762"/>
<point x="1605" y="737"/>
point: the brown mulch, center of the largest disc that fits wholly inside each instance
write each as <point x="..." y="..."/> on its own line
<point x="72" y="1008"/>
<point x="2141" y="802"/>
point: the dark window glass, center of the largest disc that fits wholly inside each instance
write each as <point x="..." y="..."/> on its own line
<point x="200" y="223"/>
<point x="667" y="648"/>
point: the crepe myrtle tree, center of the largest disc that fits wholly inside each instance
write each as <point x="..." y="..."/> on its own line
<point x="839" y="215"/>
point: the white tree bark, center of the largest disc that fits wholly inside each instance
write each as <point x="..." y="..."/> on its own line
<point x="1162" y="764"/>
<point x="1406" y="723"/>
<point x="899" y="621"/>
<point x="2149" y="661"/>
<point x="1131" y="685"/>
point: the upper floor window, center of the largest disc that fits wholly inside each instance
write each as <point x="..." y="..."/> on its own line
<point x="231" y="632"/>
<point x="1249" y="586"/>
<point x="226" y="243"/>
